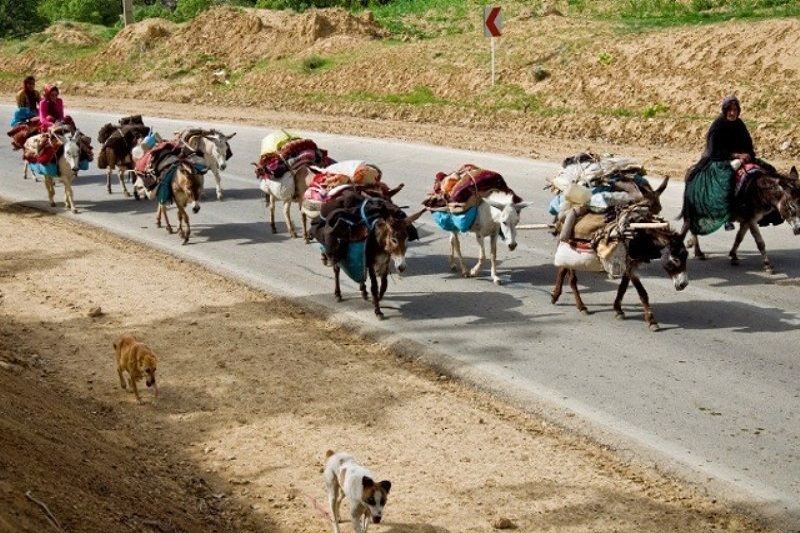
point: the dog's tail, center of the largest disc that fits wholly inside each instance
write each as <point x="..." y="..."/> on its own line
<point x="328" y="454"/>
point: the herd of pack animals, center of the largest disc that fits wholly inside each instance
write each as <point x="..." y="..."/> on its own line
<point x="349" y="209"/>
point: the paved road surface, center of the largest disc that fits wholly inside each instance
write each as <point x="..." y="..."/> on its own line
<point x="714" y="397"/>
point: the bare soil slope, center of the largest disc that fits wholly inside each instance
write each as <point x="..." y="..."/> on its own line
<point x="563" y="83"/>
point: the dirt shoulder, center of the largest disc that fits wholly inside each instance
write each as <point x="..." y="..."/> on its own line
<point x="253" y="391"/>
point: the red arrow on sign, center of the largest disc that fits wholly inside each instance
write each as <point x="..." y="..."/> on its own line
<point x="492" y="21"/>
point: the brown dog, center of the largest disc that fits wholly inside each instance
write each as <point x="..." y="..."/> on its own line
<point x="138" y="360"/>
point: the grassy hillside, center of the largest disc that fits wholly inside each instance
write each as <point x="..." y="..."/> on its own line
<point x="650" y="72"/>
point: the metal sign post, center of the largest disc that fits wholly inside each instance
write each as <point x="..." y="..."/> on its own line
<point x="492" y="23"/>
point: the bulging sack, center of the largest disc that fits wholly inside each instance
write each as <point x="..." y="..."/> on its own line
<point x="584" y="260"/>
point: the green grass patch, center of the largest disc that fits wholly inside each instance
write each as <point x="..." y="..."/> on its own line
<point x="429" y="18"/>
<point x="314" y="63"/>
<point x="644" y="14"/>
<point x="655" y="110"/>
<point x="619" y="112"/>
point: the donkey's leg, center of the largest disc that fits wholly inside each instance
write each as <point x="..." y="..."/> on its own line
<point x="288" y="217"/>
<point x="455" y="254"/>
<point x="373" y="287"/>
<point x="69" y="201"/>
<point x="218" y="179"/>
<point x="573" y="284"/>
<point x="737" y="240"/>
<point x="481" y="255"/>
<point x="271" y="207"/>
<point x="337" y="289"/>
<point x="762" y="248"/>
<point x="109" y="170"/>
<point x="304" y="220"/>
<point x="25" y="170"/>
<point x="698" y="253"/>
<point x="648" y="313"/>
<point x="51" y="190"/>
<point x="384" y="284"/>
<point x="121" y="171"/>
<point x="493" y="258"/>
<point x="182" y="216"/>
<point x="162" y="210"/>
<point x="555" y="294"/>
<point x="621" y="290"/>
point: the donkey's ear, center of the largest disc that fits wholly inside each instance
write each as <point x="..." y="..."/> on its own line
<point x="231" y="135"/>
<point x="662" y="186"/>
<point x="519" y="206"/>
<point x="793" y="173"/>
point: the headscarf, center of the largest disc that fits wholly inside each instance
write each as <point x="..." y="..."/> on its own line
<point x="728" y="100"/>
<point x="48" y="89"/>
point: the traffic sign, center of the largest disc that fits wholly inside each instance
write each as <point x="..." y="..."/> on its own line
<point x="492" y="21"/>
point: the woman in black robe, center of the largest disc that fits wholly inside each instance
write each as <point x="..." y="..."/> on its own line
<point x="710" y="187"/>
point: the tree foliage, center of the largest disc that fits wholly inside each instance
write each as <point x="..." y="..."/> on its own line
<point x="105" y="12"/>
<point x="19" y="18"/>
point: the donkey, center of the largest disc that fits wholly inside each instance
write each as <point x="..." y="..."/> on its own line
<point x="638" y="246"/>
<point x="215" y="148"/>
<point x="289" y="188"/>
<point x="117" y="144"/>
<point x="496" y="213"/>
<point x="65" y="161"/>
<point x="766" y="196"/>
<point x="364" y="235"/>
<point x="182" y="183"/>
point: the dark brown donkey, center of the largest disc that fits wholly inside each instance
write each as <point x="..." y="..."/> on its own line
<point x="364" y="236"/>
<point x="636" y="243"/>
<point x="767" y="196"/>
<point x="117" y="144"/>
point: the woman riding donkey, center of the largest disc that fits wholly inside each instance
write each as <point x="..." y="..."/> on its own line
<point x="51" y="109"/>
<point x="729" y="184"/>
<point x="711" y="183"/>
<point x="25" y="120"/>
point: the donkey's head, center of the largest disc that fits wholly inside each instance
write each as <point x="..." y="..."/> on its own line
<point x="789" y="204"/>
<point x="505" y="212"/>
<point x="392" y="235"/>
<point x="189" y="182"/>
<point x="219" y="148"/>
<point x="674" y="258"/>
<point x="72" y="151"/>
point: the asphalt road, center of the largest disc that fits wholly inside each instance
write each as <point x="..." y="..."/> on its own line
<point x="714" y="397"/>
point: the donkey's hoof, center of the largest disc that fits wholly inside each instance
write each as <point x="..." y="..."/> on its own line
<point x="584" y="311"/>
<point x="769" y="269"/>
<point x="735" y="261"/>
<point x="338" y="297"/>
<point x="654" y="326"/>
<point x="379" y="315"/>
<point x="554" y="298"/>
<point x="619" y="315"/>
<point x="497" y="281"/>
<point x="701" y="256"/>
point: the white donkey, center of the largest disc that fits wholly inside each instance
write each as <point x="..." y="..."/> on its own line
<point x="215" y="147"/>
<point x="67" y="165"/>
<point x="496" y="213"/>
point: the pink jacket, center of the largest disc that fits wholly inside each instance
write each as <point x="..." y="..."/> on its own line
<point x="44" y="115"/>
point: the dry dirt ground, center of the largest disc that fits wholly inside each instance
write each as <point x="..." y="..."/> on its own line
<point x="253" y="391"/>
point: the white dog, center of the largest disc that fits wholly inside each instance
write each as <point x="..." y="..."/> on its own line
<point x="344" y="477"/>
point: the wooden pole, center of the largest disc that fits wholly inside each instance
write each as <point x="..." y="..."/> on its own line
<point x="127" y="11"/>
